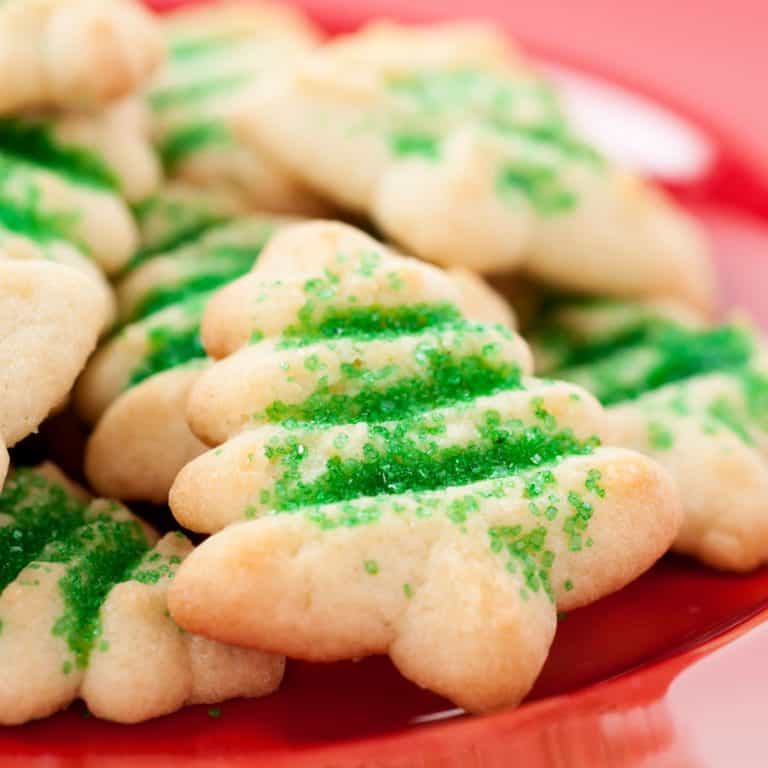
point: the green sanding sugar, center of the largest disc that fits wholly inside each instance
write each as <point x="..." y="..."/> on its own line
<point x="97" y="557"/>
<point x="651" y="355"/>
<point x="369" y="322"/>
<point x="446" y="379"/>
<point x="196" y="91"/>
<point x="35" y="223"/>
<point x="40" y="511"/>
<point x="169" y="348"/>
<point x="33" y="142"/>
<point x="404" y="458"/>
<point x="190" y="138"/>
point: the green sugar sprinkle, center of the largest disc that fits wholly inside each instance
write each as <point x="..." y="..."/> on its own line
<point x="179" y="144"/>
<point x="526" y="554"/>
<point x="415" y="145"/>
<point x="498" y="102"/>
<point x="177" y="223"/>
<point x="195" y="92"/>
<point x="28" y="218"/>
<point x="34" y="142"/>
<point x="40" y="511"/>
<point x="171" y="346"/>
<point x="445" y="379"/>
<point x="184" y="49"/>
<point x="660" y="438"/>
<point x="653" y="355"/>
<point x="97" y="550"/>
<point x="369" y="322"/>
<point x="538" y="183"/>
<point x="371" y="567"/>
<point x="576" y="524"/>
<point x="408" y="590"/>
<point x="220" y="264"/>
<point x="732" y="418"/>
<point x="214" y="712"/>
<point x="405" y="458"/>
<point x="97" y="556"/>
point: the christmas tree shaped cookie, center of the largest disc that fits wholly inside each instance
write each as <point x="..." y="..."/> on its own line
<point x="216" y="54"/>
<point x="459" y="151"/>
<point x="691" y="395"/>
<point x="83" y="608"/>
<point x="388" y="478"/>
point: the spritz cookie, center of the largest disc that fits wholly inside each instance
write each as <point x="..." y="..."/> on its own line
<point x="388" y="478"/>
<point x="216" y="54"/>
<point x="135" y="387"/>
<point x="50" y="319"/>
<point x="56" y="187"/>
<point x="74" y="54"/>
<point x="459" y="151"/>
<point x="691" y="395"/>
<point x="83" y="588"/>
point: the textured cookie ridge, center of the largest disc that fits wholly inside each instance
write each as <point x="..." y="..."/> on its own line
<point x="135" y="386"/>
<point x="59" y="193"/>
<point x="692" y="395"/>
<point x="83" y="611"/>
<point x="215" y="55"/>
<point x="74" y="54"/>
<point x="390" y="465"/>
<point x="50" y="319"/>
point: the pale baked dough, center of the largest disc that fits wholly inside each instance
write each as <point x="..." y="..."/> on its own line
<point x="129" y="662"/>
<point x="217" y="53"/>
<point x="50" y="319"/>
<point x="388" y="479"/>
<point x="457" y="150"/>
<point x="74" y="54"/>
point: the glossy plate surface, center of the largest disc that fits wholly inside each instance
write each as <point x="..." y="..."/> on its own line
<point x="670" y="671"/>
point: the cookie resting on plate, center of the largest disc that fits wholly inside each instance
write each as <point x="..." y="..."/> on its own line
<point x="692" y="395"/>
<point x="217" y="53"/>
<point x="389" y="479"/>
<point x="74" y="54"/>
<point x="83" y="608"/>
<point x="50" y="319"/>
<point x="459" y="151"/>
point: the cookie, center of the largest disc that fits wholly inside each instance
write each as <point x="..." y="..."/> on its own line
<point x="55" y="190"/>
<point x="50" y="318"/>
<point x="389" y="479"/>
<point x="120" y="136"/>
<point x="692" y="396"/>
<point x="74" y="54"/>
<point x="134" y="389"/>
<point x="459" y="151"/>
<point x="216" y="54"/>
<point x="83" y="607"/>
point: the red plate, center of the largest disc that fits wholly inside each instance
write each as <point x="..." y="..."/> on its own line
<point x="670" y="671"/>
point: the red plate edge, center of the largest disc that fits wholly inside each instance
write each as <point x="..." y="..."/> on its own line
<point x="659" y="711"/>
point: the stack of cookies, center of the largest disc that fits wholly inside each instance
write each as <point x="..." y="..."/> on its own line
<point x="351" y="425"/>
